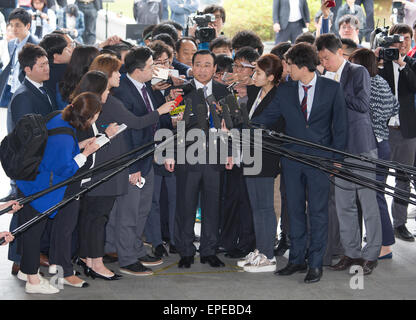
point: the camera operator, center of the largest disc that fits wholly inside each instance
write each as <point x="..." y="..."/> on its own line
<point x="44" y="19"/>
<point x="219" y="14"/>
<point x="401" y="78"/>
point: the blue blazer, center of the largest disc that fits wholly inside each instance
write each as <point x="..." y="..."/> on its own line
<point x="356" y="84"/>
<point x="57" y="165"/>
<point x="133" y="101"/>
<point x="327" y="124"/>
<point x="28" y="99"/>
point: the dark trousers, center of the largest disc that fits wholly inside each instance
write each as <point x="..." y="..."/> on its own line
<point x="64" y="224"/>
<point x="300" y="179"/>
<point x="369" y="21"/>
<point x="261" y="194"/>
<point x="153" y="229"/>
<point x="284" y="215"/>
<point x="90" y="19"/>
<point x="383" y="149"/>
<point x="206" y="179"/>
<point x="291" y="32"/>
<point x="237" y="230"/>
<point x="13" y="254"/>
<point x="94" y="213"/>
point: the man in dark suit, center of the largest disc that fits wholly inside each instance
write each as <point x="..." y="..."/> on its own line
<point x="355" y="81"/>
<point x="314" y="110"/>
<point x="133" y="208"/>
<point x="90" y="10"/>
<point x="401" y="77"/>
<point x="203" y="179"/>
<point x="289" y="18"/>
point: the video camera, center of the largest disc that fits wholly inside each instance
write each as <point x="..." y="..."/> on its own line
<point x="397" y="12"/>
<point x="380" y="38"/>
<point x="204" y="33"/>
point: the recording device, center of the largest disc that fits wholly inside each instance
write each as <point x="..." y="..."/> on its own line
<point x="203" y="32"/>
<point x="380" y="38"/>
<point x="37" y="17"/>
<point x="226" y="113"/>
<point x="213" y="111"/>
<point x="201" y="116"/>
<point x="397" y="12"/>
<point x="188" y="110"/>
<point x="238" y="113"/>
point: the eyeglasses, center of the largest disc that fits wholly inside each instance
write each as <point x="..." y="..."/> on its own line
<point x="165" y="63"/>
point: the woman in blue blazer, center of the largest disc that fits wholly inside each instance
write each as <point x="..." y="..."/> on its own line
<point x="61" y="160"/>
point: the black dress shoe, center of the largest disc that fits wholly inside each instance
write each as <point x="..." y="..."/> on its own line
<point x="235" y="254"/>
<point x="313" y="275"/>
<point x="345" y="263"/>
<point x="221" y="250"/>
<point x="213" y="261"/>
<point x="402" y="233"/>
<point x="186" y="262"/>
<point x="283" y="245"/>
<point x="369" y="266"/>
<point x="11" y="196"/>
<point x="291" y="269"/>
<point x="160" y="251"/>
<point x="172" y="249"/>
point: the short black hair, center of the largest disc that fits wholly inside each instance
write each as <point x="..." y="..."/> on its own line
<point x="219" y="43"/>
<point x="214" y="8"/>
<point x="22" y="15"/>
<point x="328" y="41"/>
<point x="176" y="25"/>
<point x="224" y="63"/>
<point x="53" y="43"/>
<point x="349" y="43"/>
<point x="30" y="54"/>
<point x="203" y="52"/>
<point x="72" y="10"/>
<point x="136" y="58"/>
<point x="147" y="32"/>
<point x="280" y="49"/>
<point x="401" y="28"/>
<point x="159" y="47"/>
<point x="116" y="49"/>
<point x="247" y="38"/>
<point x="167" y="39"/>
<point x="303" y="55"/>
<point x="307" y="37"/>
<point x="165" y="28"/>
<point x="247" y="53"/>
<point x="349" y="18"/>
<point x="183" y="39"/>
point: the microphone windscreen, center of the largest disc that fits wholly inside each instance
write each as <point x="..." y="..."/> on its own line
<point x="244" y="113"/>
<point x="201" y="116"/>
<point x="213" y="111"/>
<point x="188" y="110"/>
<point x="227" y="116"/>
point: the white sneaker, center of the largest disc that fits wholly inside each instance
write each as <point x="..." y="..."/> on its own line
<point x="23" y="276"/>
<point x="261" y="264"/>
<point x="52" y="269"/>
<point x="248" y="258"/>
<point x="43" y="287"/>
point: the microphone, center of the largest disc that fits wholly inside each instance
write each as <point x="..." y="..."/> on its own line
<point x="235" y="109"/>
<point x="188" y="110"/>
<point x="201" y="116"/>
<point x="226" y="115"/>
<point x="244" y="114"/>
<point x="213" y="111"/>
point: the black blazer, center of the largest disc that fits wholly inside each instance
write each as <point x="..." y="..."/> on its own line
<point x="407" y="90"/>
<point x="56" y="73"/>
<point x="270" y="162"/>
<point x="29" y="99"/>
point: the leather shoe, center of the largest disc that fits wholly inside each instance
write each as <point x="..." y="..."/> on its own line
<point x="313" y="275"/>
<point x="160" y="251"/>
<point x="44" y="260"/>
<point x="172" y="249"/>
<point x="369" y="266"/>
<point x="291" y="269"/>
<point x="186" y="262"/>
<point x="15" y="269"/>
<point x="213" y="261"/>
<point x="345" y="263"/>
<point x="402" y="233"/>
<point x="283" y="245"/>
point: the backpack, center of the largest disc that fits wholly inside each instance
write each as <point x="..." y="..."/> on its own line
<point x="21" y="151"/>
<point x="147" y="11"/>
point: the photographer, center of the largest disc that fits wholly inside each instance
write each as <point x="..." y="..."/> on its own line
<point x="219" y="14"/>
<point x="71" y="20"/>
<point x="44" y="19"/>
<point x="402" y="128"/>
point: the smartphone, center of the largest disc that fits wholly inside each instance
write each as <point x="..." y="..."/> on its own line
<point x="330" y="3"/>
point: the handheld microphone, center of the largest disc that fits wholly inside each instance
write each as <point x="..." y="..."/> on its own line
<point x="188" y="110"/>
<point x="226" y="114"/>
<point x="244" y="113"/>
<point x="213" y="111"/>
<point x="178" y="100"/>
<point x="201" y="116"/>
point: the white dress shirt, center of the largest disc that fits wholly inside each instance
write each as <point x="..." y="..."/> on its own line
<point x="295" y="14"/>
<point x="394" y="121"/>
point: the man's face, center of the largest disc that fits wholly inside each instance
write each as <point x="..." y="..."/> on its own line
<point x="40" y="70"/>
<point x="331" y="61"/>
<point x="218" y="24"/>
<point x="147" y="73"/>
<point x="204" y="68"/>
<point x="294" y="71"/>
<point x="222" y="50"/>
<point x="404" y="47"/>
<point x="186" y="52"/>
<point x="348" y="31"/>
<point x="242" y="70"/>
<point x="19" y="30"/>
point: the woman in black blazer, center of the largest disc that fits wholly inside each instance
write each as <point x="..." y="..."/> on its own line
<point x="261" y="186"/>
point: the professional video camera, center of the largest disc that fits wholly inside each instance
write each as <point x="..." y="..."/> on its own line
<point x="397" y="12"/>
<point x="204" y="33"/>
<point x="380" y="38"/>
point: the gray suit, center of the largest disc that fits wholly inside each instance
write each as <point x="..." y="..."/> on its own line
<point x="289" y="30"/>
<point x="355" y="81"/>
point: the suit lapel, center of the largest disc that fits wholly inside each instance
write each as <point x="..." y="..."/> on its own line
<point x="344" y="75"/>
<point x="36" y="92"/>
<point x="136" y="93"/>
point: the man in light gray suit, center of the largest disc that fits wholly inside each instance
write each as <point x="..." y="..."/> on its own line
<point x="289" y="18"/>
<point x="355" y="81"/>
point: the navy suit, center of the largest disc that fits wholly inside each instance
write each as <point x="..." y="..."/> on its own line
<point x="326" y="125"/>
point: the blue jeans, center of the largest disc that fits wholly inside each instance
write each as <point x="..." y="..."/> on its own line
<point x="261" y="194"/>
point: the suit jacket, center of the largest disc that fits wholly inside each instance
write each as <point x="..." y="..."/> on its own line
<point x="128" y="94"/>
<point x="406" y="94"/>
<point x="56" y="73"/>
<point x="182" y="68"/>
<point x="356" y="84"/>
<point x="281" y="12"/>
<point x="327" y="123"/>
<point x="270" y="162"/>
<point x="29" y="99"/>
<point x="4" y="76"/>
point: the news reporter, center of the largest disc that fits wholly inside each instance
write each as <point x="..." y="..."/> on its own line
<point x="44" y="19"/>
<point x="61" y="159"/>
